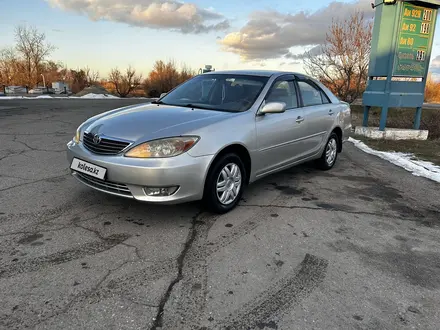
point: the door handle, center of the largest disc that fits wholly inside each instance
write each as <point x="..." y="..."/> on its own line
<point x="330" y="112"/>
<point x="299" y="119"/>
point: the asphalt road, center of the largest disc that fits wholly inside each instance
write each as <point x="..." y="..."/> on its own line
<point x="353" y="248"/>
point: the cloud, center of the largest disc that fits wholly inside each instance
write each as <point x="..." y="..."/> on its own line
<point x="270" y="34"/>
<point x="157" y="14"/>
<point x="314" y="51"/>
<point x="290" y="63"/>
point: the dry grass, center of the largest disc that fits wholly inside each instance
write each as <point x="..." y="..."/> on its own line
<point x="401" y="118"/>
<point x="404" y="118"/>
<point x="425" y="150"/>
<point x="432" y="90"/>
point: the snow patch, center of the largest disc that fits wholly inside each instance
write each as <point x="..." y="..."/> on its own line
<point x="87" y="96"/>
<point x="404" y="160"/>
<point x="98" y="96"/>
<point x="13" y="97"/>
<point x="31" y="98"/>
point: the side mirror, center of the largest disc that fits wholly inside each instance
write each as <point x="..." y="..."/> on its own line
<point x="162" y="95"/>
<point x="273" y="107"/>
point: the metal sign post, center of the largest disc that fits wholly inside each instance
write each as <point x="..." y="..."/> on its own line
<point x="208" y="68"/>
<point x="401" y="46"/>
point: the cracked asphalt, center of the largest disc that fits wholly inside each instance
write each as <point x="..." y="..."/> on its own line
<point x="354" y="248"/>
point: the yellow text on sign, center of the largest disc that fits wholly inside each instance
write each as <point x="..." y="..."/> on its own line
<point x="409" y="27"/>
<point x="415" y="13"/>
<point x="406" y="41"/>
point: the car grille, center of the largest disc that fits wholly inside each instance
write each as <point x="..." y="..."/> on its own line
<point x="105" y="146"/>
<point x="111" y="187"/>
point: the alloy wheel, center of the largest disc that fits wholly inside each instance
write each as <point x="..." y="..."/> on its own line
<point x="228" y="184"/>
<point x="331" y="151"/>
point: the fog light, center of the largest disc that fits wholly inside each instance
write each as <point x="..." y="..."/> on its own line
<point x="160" y="191"/>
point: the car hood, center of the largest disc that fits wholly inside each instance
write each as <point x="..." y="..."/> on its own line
<point x="152" y="121"/>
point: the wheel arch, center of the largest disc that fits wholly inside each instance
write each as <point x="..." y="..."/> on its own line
<point x="241" y="151"/>
<point x="338" y="131"/>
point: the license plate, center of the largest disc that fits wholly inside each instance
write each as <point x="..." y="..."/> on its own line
<point x="88" y="168"/>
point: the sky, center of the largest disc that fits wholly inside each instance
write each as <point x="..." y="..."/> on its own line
<point x="228" y="34"/>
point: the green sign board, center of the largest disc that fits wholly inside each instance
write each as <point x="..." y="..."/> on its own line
<point x="415" y="34"/>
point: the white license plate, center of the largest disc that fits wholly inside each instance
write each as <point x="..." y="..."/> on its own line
<point x="88" y="168"/>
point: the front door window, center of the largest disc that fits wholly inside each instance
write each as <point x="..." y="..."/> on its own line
<point x="283" y="91"/>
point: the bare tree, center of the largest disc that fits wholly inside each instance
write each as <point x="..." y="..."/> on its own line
<point x="166" y="76"/>
<point x="125" y="83"/>
<point x="92" y="76"/>
<point x="52" y="71"/>
<point x="13" y="69"/>
<point x="79" y="80"/>
<point x="34" y="49"/>
<point x="186" y="73"/>
<point x="8" y="62"/>
<point x="342" y="63"/>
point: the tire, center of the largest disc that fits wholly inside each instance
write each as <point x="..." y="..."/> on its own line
<point x="212" y="197"/>
<point x="327" y="161"/>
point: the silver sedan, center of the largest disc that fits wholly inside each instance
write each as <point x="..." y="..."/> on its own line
<point x="210" y="137"/>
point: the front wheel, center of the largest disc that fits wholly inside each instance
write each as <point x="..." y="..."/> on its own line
<point x="330" y="153"/>
<point x="224" y="184"/>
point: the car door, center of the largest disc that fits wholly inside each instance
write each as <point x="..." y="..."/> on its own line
<point x="279" y="134"/>
<point x="319" y="115"/>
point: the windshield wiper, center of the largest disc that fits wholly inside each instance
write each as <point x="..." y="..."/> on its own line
<point x="188" y="105"/>
<point x="193" y="105"/>
<point x="157" y="102"/>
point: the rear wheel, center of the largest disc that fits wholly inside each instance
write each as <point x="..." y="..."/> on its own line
<point x="224" y="184"/>
<point x="330" y="153"/>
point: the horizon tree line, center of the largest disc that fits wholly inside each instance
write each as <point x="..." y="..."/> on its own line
<point x="340" y="63"/>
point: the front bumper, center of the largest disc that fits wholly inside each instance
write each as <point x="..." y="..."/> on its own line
<point x="127" y="177"/>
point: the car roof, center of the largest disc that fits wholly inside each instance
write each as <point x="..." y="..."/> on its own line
<point x="263" y="73"/>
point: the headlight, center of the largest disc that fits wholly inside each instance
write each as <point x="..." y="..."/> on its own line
<point x="163" y="148"/>
<point x="77" y="135"/>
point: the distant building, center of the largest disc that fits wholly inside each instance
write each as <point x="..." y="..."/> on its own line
<point x="60" y="87"/>
<point x="15" y="89"/>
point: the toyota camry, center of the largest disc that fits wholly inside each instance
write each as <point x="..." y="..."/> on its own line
<point x="210" y="137"/>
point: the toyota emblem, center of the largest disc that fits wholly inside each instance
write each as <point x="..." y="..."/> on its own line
<point x="96" y="139"/>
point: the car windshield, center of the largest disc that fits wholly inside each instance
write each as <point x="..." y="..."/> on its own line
<point x="220" y="92"/>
